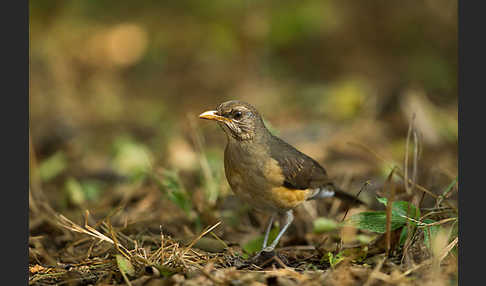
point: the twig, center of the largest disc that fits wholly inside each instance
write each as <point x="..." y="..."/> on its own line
<point x="448" y="249"/>
<point x="405" y="175"/>
<point x="414" y="201"/>
<point x="206" y="273"/>
<point x="199" y="237"/>
<point x="389" y="204"/>
<point x="415" y="268"/>
<point x="366" y="184"/>
<point x="415" y="160"/>
<point x="125" y="277"/>
<point x="220" y="240"/>
<point x="211" y="187"/>
<point x="398" y="170"/>
<point x="374" y="272"/>
<point x="68" y="224"/>
<point x="113" y="236"/>
<point x="340" y="243"/>
<point x="446" y="192"/>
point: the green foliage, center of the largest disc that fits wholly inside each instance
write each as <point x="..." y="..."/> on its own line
<point x="174" y="190"/>
<point x="92" y="189"/>
<point x="402" y="208"/>
<point x="323" y="224"/>
<point x="344" y="100"/>
<point x="124" y="265"/>
<point x="52" y="166"/>
<point x="403" y="236"/>
<point x="449" y="187"/>
<point x="166" y="271"/>
<point x="255" y="245"/>
<point x="333" y="259"/>
<point x="131" y="159"/>
<point x="430" y="232"/>
<point x="78" y="192"/>
<point x="191" y="55"/>
<point x="375" y="221"/>
<point x="74" y="192"/>
<point x="211" y="185"/>
<point x="364" y="239"/>
<point x="291" y="23"/>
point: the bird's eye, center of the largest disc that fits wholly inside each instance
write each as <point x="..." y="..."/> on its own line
<point x="237" y="115"/>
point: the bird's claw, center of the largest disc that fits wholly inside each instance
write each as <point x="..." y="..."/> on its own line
<point x="268" y="249"/>
<point x="263" y="256"/>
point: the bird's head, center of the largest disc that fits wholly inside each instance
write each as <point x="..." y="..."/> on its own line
<point x="238" y="119"/>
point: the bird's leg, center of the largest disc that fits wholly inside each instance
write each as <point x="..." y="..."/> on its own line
<point x="267" y="233"/>
<point x="290" y="218"/>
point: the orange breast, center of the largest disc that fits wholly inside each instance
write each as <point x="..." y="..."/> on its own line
<point x="260" y="183"/>
<point x="285" y="198"/>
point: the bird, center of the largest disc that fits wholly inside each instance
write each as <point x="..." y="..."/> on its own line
<point x="267" y="172"/>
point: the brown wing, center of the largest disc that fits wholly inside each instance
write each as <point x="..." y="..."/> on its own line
<point x="300" y="171"/>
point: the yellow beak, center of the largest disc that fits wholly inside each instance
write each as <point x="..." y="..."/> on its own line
<point x="212" y="115"/>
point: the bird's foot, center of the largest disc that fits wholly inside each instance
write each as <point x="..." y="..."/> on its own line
<point x="268" y="249"/>
<point x="268" y="256"/>
<point x="263" y="256"/>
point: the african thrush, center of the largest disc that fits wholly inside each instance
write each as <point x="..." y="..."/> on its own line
<point x="264" y="170"/>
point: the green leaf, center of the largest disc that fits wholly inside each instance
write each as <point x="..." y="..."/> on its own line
<point x="176" y="192"/>
<point x="171" y="185"/>
<point x="375" y="221"/>
<point x="180" y="199"/>
<point x="334" y="260"/>
<point x="382" y="200"/>
<point x="364" y="239"/>
<point x="166" y="271"/>
<point x="451" y="185"/>
<point x="449" y="188"/>
<point x="74" y="192"/>
<point x="125" y="265"/>
<point x="430" y="231"/>
<point x="52" y="166"/>
<point x="401" y="208"/>
<point x="211" y="185"/>
<point x="323" y="224"/>
<point x="403" y="236"/>
<point x="255" y="245"/>
<point x="92" y="189"/>
<point x="131" y="158"/>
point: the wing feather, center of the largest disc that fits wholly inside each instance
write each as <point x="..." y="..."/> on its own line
<point x="300" y="171"/>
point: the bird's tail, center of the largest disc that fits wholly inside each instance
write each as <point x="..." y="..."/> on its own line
<point x="333" y="191"/>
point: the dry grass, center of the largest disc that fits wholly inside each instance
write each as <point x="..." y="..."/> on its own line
<point x="181" y="229"/>
<point x="88" y="254"/>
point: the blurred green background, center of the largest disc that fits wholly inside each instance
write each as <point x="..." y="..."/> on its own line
<point x="116" y="87"/>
